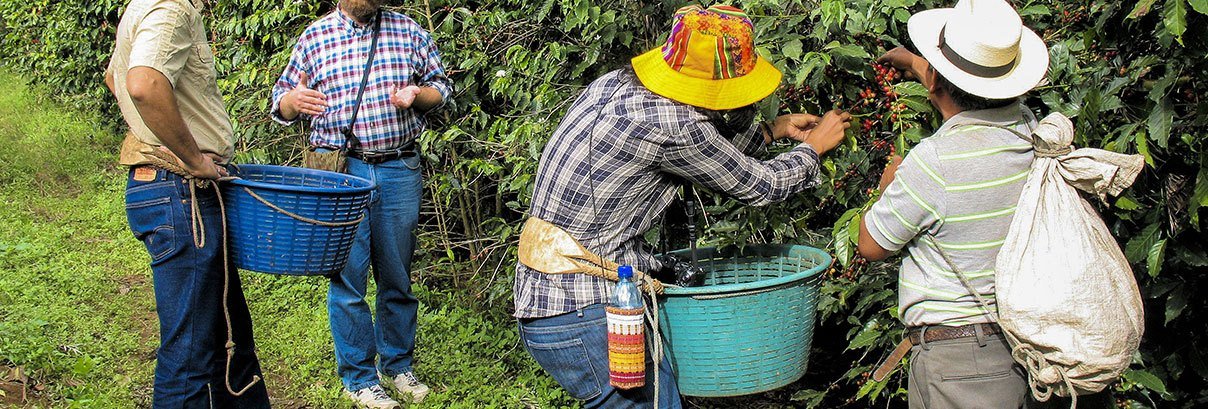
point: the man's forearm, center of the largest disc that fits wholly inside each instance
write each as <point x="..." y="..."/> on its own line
<point x="109" y="82"/>
<point x="919" y="66"/>
<point x="152" y="95"/>
<point x="427" y="99"/>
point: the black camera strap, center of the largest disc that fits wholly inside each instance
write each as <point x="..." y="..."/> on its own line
<point x="350" y="139"/>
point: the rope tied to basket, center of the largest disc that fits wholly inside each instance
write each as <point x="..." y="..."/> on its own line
<point x="168" y="163"/>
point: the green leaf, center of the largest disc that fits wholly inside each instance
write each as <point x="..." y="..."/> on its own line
<point x="1146" y="379"/>
<point x="853" y="228"/>
<point x="1138" y="247"/>
<point x="866" y="337"/>
<point x="1126" y="203"/>
<point x="1143" y="147"/>
<point x="910" y="88"/>
<point x="812" y="61"/>
<point x="812" y="398"/>
<point x="1174" y="16"/>
<point x="833" y="12"/>
<point x="1157" y="255"/>
<point x="914" y="134"/>
<point x="1035" y="10"/>
<point x="1175" y="303"/>
<point x="844" y="249"/>
<point x="1141" y="9"/>
<point x="1160" y="122"/>
<point x="1200" y="196"/>
<point x="1200" y="6"/>
<point x="916" y="104"/>
<point x="847" y="50"/>
<point x="792" y="49"/>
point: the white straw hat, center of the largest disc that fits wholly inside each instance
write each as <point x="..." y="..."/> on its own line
<point x="981" y="47"/>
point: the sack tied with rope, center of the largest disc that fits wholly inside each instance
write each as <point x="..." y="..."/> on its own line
<point x="1066" y="294"/>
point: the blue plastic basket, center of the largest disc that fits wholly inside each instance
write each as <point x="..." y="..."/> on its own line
<point x="749" y="328"/>
<point x="268" y="240"/>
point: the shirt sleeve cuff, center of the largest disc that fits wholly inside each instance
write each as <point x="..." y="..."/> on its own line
<point x="815" y="162"/>
<point x="870" y="222"/>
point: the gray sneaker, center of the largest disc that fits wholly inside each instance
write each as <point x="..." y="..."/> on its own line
<point x="373" y="397"/>
<point x="409" y="387"/>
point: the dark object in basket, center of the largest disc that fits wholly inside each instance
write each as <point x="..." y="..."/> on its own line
<point x="688" y="275"/>
<point x="678" y="271"/>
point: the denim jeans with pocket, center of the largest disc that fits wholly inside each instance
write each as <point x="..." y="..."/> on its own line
<point x="573" y="349"/>
<point x="190" y="368"/>
<point x="385" y="240"/>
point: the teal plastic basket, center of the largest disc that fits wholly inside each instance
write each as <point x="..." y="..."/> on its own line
<point x="749" y="328"/>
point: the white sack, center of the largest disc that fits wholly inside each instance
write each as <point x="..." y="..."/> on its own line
<point x="1064" y="287"/>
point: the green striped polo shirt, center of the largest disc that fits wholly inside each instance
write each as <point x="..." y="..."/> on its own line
<point x="957" y="191"/>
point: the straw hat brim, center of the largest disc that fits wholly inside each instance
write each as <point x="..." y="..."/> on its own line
<point x="1030" y="67"/>
<point x="717" y="95"/>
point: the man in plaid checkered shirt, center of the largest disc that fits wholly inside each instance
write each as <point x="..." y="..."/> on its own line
<point x="406" y="81"/>
<point x="612" y="167"/>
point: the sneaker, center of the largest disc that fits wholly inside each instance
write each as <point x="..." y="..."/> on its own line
<point x="373" y="397"/>
<point x="408" y="386"/>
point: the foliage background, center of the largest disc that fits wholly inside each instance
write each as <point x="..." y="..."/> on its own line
<point x="1130" y="73"/>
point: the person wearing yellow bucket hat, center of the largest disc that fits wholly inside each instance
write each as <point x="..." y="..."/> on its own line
<point x="682" y="112"/>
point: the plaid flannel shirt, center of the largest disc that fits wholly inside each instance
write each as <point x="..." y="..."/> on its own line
<point x="333" y="51"/>
<point x="612" y="168"/>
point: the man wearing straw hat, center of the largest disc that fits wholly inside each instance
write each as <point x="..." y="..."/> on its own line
<point x="162" y="74"/>
<point x="683" y="110"/>
<point x="365" y="77"/>
<point x="953" y="197"/>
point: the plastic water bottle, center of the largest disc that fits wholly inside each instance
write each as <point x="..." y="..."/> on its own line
<point x="626" y="333"/>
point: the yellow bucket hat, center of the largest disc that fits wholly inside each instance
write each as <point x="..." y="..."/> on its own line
<point x="709" y="61"/>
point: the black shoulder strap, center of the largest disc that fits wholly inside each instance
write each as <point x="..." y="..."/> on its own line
<point x="350" y="139"/>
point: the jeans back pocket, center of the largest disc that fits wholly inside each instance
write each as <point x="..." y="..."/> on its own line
<point x="569" y="364"/>
<point x="151" y="223"/>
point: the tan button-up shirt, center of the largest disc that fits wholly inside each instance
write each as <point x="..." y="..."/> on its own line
<point x="169" y="36"/>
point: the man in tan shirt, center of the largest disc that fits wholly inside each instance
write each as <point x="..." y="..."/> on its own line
<point x="162" y="74"/>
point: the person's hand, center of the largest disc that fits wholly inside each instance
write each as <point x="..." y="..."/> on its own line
<point x="903" y="60"/>
<point x="303" y="100"/>
<point x="829" y="131"/>
<point x="202" y="166"/>
<point x="793" y="126"/>
<point x="405" y="96"/>
<point x="891" y="169"/>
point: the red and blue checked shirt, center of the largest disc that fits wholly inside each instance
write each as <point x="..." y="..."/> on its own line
<point x="333" y="51"/>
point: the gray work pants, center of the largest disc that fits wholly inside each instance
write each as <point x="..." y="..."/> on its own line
<point x="977" y="373"/>
<point x="966" y="373"/>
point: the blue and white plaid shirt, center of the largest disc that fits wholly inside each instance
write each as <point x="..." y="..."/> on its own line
<point x="333" y="51"/>
<point x="612" y="168"/>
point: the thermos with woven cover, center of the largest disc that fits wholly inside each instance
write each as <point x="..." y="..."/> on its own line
<point x="626" y="338"/>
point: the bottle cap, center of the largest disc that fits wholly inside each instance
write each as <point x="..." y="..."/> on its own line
<point x="625" y="272"/>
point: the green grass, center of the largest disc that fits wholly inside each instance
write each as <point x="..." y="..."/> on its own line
<point x="77" y="312"/>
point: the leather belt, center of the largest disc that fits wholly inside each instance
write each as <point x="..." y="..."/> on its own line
<point x="942" y="333"/>
<point x="376" y="157"/>
<point x="916" y="336"/>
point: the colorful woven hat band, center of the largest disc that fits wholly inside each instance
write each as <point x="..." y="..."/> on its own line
<point x="715" y="43"/>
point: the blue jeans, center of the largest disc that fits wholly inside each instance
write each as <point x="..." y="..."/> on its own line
<point x="190" y="367"/>
<point x="573" y="349"/>
<point x="386" y="240"/>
